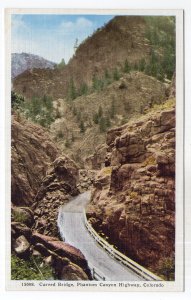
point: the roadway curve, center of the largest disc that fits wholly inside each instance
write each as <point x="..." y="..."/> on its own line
<point x="73" y="231"/>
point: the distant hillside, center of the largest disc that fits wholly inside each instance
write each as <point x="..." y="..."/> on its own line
<point x="80" y="127"/>
<point x="21" y="62"/>
<point x="141" y="43"/>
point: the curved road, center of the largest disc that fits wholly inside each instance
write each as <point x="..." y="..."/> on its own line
<point x="73" y="231"/>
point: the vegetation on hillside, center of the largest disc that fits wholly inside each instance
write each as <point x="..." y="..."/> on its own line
<point x="61" y="65"/>
<point x="161" y="35"/>
<point x="32" y="269"/>
<point x="166" y="268"/>
<point x="38" y="110"/>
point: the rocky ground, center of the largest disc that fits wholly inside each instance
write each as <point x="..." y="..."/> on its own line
<point x="133" y="201"/>
<point x="67" y="261"/>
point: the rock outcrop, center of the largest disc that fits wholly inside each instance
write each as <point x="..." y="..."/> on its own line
<point x="31" y="153"/>
<point x="133" y="201"/>
<point x="67" y="261"/>
<point x="86" y="179"/>
<point x="42" y="180"/>
<point x="56" y="189"/>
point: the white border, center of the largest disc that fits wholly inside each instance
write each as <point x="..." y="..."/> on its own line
<point x="168" y="286"/>
<point x="175" y="4"/>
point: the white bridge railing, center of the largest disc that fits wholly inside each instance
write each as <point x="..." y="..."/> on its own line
<point x="144" y="273"/>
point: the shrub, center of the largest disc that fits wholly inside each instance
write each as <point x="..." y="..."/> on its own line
<point x="116" y="75"/>
<point x="30" y="269"/>
<point x="102" y="124"/>
<point x="83" y="89"/>
<point x="39" y="110"/>
<point x="100" y="112"/>
<point x="107" y="77"/>
<point x="82" y="128"/>
<point x="72" y="92"/>
<point x="61" y="65"/>
<point x="96" y="118"/>
<point x="161" y="34"/>
<point x="107" y="121"/>
<point x="107" y="170"/>
<point x="97" y="84"/>
<point x="19" y="216"/>
<point x="112" y="110"/>
<point x="149" y="161"/>
<point x="133" y="195"/>
<point x="60" y="134"/>
<point x="74" y="111"/>
<point x="58" y="114"/>
<point x="142" y="64"/>
<point x="67" y="143"/>
<point x="17" y="101"/>
<point x="127" y="67"/>
<point x="166" y="267"/>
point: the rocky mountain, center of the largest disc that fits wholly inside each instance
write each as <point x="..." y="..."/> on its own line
<point x="133" y="201"/>
<point x="133" y="41"/>
<point x="110" y="110"/>
<point x="41" y="182"/>
<point x="82" y="125"/>
<point x="32" y="152"/>
<point x="21" y="62"/>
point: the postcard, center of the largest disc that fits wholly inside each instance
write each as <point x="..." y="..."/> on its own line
<point x="94" y="196"/>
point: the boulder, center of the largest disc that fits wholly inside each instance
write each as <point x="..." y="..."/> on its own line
<point x="60" y="248"/>
<point x="23" y="215"/>
<point x="20" y="229"/>
<point x="72" y="272"/>
<point x="22" y="247"/>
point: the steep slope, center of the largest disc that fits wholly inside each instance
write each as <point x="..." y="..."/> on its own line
<point x="38" y="170"/>
<point x="82" y="125"/>
<point x="21" y="62"/>
<point x="133" y="201"/>
<point x="123" y="38"/>
<point x="32" y="152"/>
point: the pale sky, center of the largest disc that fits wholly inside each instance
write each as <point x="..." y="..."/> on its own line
<point x="52" y="36"/>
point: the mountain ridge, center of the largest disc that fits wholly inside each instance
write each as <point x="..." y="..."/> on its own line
<point x="21" y="62"/>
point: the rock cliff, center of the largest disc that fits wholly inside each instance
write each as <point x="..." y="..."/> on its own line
<point x="31" y="153"/>
<point x="133" y="201"/>
<point x="42" y="180"/>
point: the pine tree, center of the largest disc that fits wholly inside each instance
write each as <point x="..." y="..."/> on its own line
<point x="116" y="75"/>
<point x="100" y="112"/>
<point x="61" y="65"/>
<point x="112" y="109"/>
<point x="82" y="128"/>
<point x="83" y="89"/>
<point x="72" y="90"/>
<point x="142" y="64"/>
<point x="107" y="77"/>
<point x="17" y="101"/>
<point x="107" y="122"/>
<point x="102" y="124"/>
<point x="127" y="67"/>
<point x="96" y="118"/>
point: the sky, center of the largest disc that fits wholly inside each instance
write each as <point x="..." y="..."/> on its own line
<point x="52" y="36"/>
